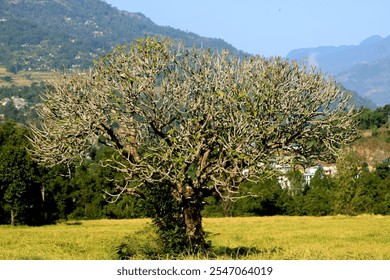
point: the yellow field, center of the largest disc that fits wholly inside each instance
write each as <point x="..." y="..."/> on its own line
<point x="24" y="78"/>
<point x="362" y="237"/>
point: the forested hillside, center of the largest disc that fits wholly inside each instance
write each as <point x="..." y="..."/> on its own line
<point x="70" y="34"/>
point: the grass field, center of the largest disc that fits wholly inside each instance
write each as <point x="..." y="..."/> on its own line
<point x="24" y="78"/>
<point x="329" y="238"/>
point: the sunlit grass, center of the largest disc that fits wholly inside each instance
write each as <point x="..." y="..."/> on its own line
<point x="24" y="78"/>
<point x="340" y="237"/>
<point x="85" y="240"/>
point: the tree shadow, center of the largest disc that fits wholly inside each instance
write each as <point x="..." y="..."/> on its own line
<point x="145" y="245"/>
<point x="73" y="223"/>
<point x="242" y="252"/>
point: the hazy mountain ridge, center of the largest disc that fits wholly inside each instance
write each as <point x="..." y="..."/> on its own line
<point x="364" y="68"/>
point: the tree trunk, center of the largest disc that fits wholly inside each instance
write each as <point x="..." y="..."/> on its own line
<point x="193" y="223"/>
<point x="43" y="193"/>
<point x="12" y="217"/>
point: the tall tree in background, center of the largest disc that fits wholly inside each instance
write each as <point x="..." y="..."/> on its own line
<point x="192" y="122"/>
<point x="20" y="192"/>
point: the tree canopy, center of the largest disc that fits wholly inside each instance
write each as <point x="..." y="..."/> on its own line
<point x="20" y="192"/>
<point x="195" y="122"/>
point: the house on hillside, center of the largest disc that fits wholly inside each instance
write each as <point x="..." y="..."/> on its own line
<point x="308" y="173"/>
<point x="5" y="101"/>
<point x="311" y="171"/>
<point x="283" y="180"/>
<point x="19" y="102"/>
<point x="330" y="170"/>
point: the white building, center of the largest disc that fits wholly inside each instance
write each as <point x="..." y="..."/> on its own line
<point x="311" y="171"/>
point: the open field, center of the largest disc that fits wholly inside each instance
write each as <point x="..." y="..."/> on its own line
<point x="340" y="237"/>
<point x="24" y="78"/>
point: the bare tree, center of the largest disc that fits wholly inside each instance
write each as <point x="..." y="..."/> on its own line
<point x="200" y="121"/>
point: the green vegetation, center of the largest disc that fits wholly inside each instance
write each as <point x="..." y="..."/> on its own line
<point x="280" y="238"/>
<point x="354" y="190"/>
<point x="70" y="34"/>
<point x="369" y="119"/>
<point x="19" y="191"/>
<point x="34" y="195"/>
<point x="19" y="103"/>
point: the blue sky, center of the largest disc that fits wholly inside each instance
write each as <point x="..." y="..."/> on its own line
<point x="271" y="27"/>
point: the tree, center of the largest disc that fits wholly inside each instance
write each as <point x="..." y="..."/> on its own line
<point x="266" y="201"/>
<point x="371" y="194"/>
<point x="16" y="182"/>
<point x="320" y="195"/>
<point x="194" y="122"/>
<point x="20" y="192"/>
<point x="383" y="169"/>
<point x="346" y="184"/>
<point x="368" y="119"/>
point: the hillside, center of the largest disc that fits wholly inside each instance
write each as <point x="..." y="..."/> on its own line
<point x="70" y="34"/>
<point x="364" y="68"/>
<point x="37" y="37"/>
<point x="372" y="148"/>
<point x="371" y="79"/>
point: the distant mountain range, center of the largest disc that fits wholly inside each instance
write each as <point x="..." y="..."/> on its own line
<point x="364" y="68"/>
<point x="46" y="35"/>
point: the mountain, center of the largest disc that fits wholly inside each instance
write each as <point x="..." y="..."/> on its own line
<point x="358" y="101"/>
<point x="364" y="68"/>
<point x="46" y="35"/>
<point x="70" y="34"/>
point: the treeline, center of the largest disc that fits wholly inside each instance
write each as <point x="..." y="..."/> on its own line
<point x="36" y="195"/>
<point x="372" y="119"/>
<point x="354" y="190"/>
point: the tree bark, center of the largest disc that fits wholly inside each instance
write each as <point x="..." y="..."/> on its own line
<point x="193" y="223"/>
<point x="12" y="217"/>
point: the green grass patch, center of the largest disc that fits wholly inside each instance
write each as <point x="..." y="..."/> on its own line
<point x="281" y="238"/>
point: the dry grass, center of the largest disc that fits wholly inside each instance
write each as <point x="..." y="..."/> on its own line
<point x="341" y="237"/>
<point x="86" y="240"/>
<point x="24" y="78"/>
<point x="372" y="150"/>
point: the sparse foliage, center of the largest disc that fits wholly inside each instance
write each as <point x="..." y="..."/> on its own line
<point x="197" y="121"/>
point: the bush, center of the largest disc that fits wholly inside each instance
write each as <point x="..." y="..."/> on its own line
<point x="167" y="218"/>
<point x="319" y="195"/>
<point x="141" y="245"/>
<point x="266" y="200"/>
